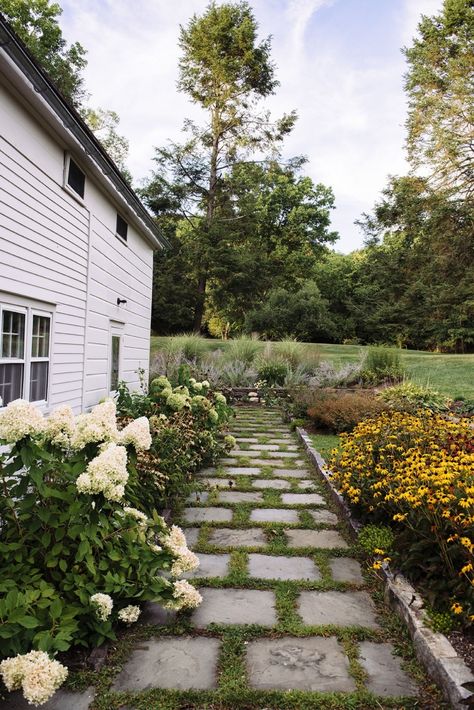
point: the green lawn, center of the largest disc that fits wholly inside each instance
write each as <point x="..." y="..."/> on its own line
<point x="325" y="443"/>
<point x="452" y="375"/>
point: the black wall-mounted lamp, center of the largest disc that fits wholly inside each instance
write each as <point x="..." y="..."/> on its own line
<point x="120" y="301"/>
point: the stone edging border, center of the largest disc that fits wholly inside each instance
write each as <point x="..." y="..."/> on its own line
<point x="433" y="649"/>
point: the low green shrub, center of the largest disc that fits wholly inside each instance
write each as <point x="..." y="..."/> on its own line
<point x="191" y="345"/>
<point x="376" y="539"/>
<point x="381" y="364"/>
<point x="76" y="558"/>
<point x="272" y="372"/>
<point x="409" y="396"/>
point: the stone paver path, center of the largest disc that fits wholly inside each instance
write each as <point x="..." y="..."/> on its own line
<point x="277" y="568"/>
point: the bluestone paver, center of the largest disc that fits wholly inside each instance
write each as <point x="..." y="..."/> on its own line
<point x="274" y="515"/>
<point x="191" y="535"/>
<point x="242" y="470"/>
<point x="229" y="537"/>
<point x="240" y="497"/>
<point x="346" y="569"/>
<point x="281" y="567"/>
<point x="183" y="663"/>
<point x="210" y="566"/>
<point x="291" y="472"/>
<point x="61" y="700"/>
<point x="207" y="515"/>
<point x="302" y="499"/>
<point x="235" y="606"/>
<point x="327" y="539"/>
<point x="337" y="608"/>
<point x="317" y="664"/>
<point x="385" y="675"/>
<point x="197" y="497"/>
<point x="323" y="517"/>
<point x="276" y="483"/>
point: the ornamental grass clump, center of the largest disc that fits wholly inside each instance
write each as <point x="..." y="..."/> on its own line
<point x="79" y="552"/>
<point x="417" y="472"/>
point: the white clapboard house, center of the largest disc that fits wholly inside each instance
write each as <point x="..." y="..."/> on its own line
<point x="76" y="249"/>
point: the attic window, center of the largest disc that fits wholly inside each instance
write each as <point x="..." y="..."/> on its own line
<point x="76" y="179"/>
<point x="122" y="227"/>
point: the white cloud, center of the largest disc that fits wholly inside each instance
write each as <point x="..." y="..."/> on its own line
<point x="351" y="110"/>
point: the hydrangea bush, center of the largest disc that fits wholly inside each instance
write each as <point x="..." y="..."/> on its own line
<point x="187" y="424"/>
<point x="77" y="555"/>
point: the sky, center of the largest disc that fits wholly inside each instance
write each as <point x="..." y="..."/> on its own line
<point x="339" y="63"/>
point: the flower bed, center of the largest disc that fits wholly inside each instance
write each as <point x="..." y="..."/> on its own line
<point x="416" y="472"/>
<point x="187" y="425"/>
<point x="81" y="546"/>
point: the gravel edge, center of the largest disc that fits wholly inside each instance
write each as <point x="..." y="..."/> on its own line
<point x="433" y="649"/>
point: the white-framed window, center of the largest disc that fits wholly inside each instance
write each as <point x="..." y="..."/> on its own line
<point x="25" y="351"/>
<point x="115" y="360"/>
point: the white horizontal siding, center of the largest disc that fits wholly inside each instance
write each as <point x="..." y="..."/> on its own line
<point x="43" y="246"/>
<point x="125" y="271"/>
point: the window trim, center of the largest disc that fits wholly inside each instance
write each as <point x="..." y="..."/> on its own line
<point x="124" y="240"/>
<point x="29" y="309"/>
<point x="116" y="330"/>
<point x="67" y="159"/>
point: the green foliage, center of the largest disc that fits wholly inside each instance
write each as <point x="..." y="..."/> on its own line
<point x="302" y="313"/>
<point x="376" y="537"/>
<point x="441" y="622"/>
<point x="242" y="349"/>
<point x="272" y="372"/>
<point x="187" y="424"/>
<point x="441" y="101"/>
<point x="59" y="547"/>
<point x="191" y="345"/>
<point x="381" y="364"/>
<point x="103" y="123"/>
<point x="36" y="23"/>
<point x="411" y="396"/>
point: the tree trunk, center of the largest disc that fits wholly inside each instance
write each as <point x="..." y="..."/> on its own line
<point x="211" y="200"/>
<point x="200" y="303"/>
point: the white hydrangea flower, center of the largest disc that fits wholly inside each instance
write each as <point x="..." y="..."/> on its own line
<point x="35" y="673"/>
<point x="230" y="441"/>
<point x="186" y="561"/>
<point x="213" y="416"/>
<point x="60" y="427"/>
<point x="197" y="386"/>
<point x="140" y="517"/>
<point x="137" y="433"/>
<point x="98" y="425"/>
<point x="205" y="384"/>
<point x="175" y="542"/>
<point x="103" y="604"/>
<point x="106" y="474"/>
<point x="185" y="596"/>
<point x="219" y="397"/>
<point x="129" y="614"/>
<point x="176" y="401"/>
<point x="155" y="548"/>
<point x="19" y="419"/>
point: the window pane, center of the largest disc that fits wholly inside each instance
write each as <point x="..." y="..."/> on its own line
<point x="122" y="227"/>
<point x="40" y="338"/>
<point x="39" y="381"/>
<point x="11" y="383"/>
<point x="76" y="178"/>
<point x="13" y="334"/>
<point x="114" y="375"/>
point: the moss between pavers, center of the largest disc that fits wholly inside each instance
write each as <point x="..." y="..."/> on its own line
<point x="233" y="692"/>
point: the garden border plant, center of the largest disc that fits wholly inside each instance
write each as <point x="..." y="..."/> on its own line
<point x="432" y="648"/>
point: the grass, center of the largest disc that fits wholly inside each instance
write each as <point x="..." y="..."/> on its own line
<point x="452" y="375"/>
<point x="325" y="443"/>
